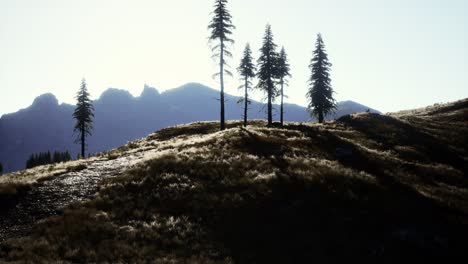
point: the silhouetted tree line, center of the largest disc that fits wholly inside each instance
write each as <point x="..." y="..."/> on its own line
<point x="272" y="69"/>
<point x="44" y="158"/>
<point x="1" y="168"/>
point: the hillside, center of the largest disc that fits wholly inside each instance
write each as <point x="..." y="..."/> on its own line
<point x="120" y="117"/>
<point x="377" y="188"/>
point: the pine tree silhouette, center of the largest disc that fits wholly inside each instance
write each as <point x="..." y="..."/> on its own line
<point x="44" y="158"/>
<point x="283" y="74"/>
<point x="56" y="157"/>
<point x="268" y="71"/>
<point x="84" y="116"/>
<point x="221" y="28"/>
<point x="246" y="70"/>
<point x="320" y="94"/>
<point x="1" y="168"/>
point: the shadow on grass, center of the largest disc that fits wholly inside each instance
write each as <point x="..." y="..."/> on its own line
<point x="391" y="132"/>
<point x="261" y="145"/>
<point x="200" y="128"/>
<point x="293" y="219"/>
<point x="251" y="197"/>
<point x="300" y="221"/>
<point x="10" y="193"/>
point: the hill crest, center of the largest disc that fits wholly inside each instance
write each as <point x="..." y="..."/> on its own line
<point x="365" y="181"/>
<point x="119" y="118"/>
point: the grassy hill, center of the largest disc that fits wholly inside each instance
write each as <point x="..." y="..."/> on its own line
<point x="370" y="187"/>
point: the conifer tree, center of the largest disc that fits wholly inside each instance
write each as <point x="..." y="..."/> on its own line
<point x="246" y="70"/>
<point x="320" y="94"/>
<point x="221" y="28"/>
<point x="1" y="168"/>
<point x="283" y="74"/>
<point x="32" y="161"/>
<point x="44" y="158"/>
<point x="29" y="161"/>
<point x="268" y="71"/>
<point x="57" y="157"/>
<point x="84" y="116"/>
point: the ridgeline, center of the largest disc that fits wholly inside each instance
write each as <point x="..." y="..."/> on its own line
<point x="378" y="188"/>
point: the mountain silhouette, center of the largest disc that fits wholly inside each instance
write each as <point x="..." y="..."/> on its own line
<point x="121" y="117"/>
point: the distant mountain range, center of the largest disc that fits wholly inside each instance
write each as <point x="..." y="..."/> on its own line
<point x="120" y="117"/>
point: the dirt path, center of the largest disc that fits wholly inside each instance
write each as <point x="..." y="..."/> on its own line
<point x="51" y="196"/>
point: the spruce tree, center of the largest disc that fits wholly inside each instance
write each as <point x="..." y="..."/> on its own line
<point x="84" y="116"/>
<point x="268" y="71"/>
<point x="283" y="74"/>
<point x="320" y="94"/>
<point x="48" y="158"/>
<point x="29" y="162"/>
<point x="57" y="157"/>
<point x="221" y="28"/>
<point x="246" y="70"/>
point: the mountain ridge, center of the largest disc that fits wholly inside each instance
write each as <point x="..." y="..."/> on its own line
<point x="121" y="117"/>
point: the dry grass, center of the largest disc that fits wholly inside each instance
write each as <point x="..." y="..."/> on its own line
<point x="379" y="188"/>
<point x="28" y="178"/>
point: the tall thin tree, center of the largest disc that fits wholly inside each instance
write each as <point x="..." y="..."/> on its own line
<point x="268" y="71"/>
<point x="221" y="28"/>
<point x="246" y="70"/>
<point x="84" y="113"/>
<point x="283" y="74"/>
<point x="320" y="94"/>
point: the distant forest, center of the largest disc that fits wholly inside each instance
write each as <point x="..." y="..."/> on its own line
<point x="45" y="158"/>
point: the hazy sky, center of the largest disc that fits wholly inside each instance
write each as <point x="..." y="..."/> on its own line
<point x="389" y="55"/>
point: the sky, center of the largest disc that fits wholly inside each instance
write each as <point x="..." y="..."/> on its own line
<point x="388" y="55"/>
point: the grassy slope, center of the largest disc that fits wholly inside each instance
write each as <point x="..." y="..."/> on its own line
<point x="16" y="184"/>
<point x="368" y="186"/>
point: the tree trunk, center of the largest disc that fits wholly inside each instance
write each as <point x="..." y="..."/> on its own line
<point x="83" y="140"/>
<point x="221" y="79"/>
<point x="246" y="100"/>
<point x="320" y="117"/>
<point x="281" y="111"/>
<point x="270" y="114"/>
